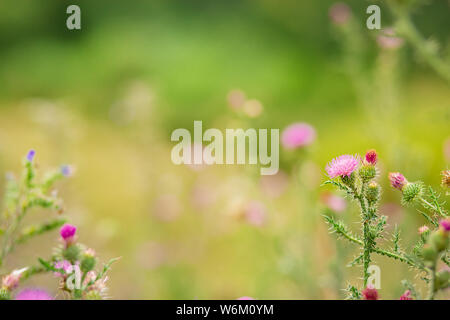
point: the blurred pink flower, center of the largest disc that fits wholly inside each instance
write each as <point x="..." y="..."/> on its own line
<point x="388" y="40"/>
<point x="274" y="185"/>
<point x="245" y="298"/>
<point x="406" y="295"/>
<point x="33" y="294"/>
<point x="298" y="135"/>
<point x="167" y="207"/>
<point x="340" y="13"/>
<point x="236" y="99"/>
<point x="333" y="202"/>
<point x="342" y="166"/>
<point x="255" y="213"/>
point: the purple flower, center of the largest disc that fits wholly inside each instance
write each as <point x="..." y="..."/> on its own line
<point x="406" y="295"/>
<point x="33" y="294"/>
<point x="342" y="166"/>
<point x="370" y="293"/>
<point x="67" y="170"/>
<point x="445" y="224"/>
<point x="371" y="157"/>
<point x="298" y="135"/>
<point x="30" y="155"/>
<point x="398" y="181"/>
<point x="67" y="232"/>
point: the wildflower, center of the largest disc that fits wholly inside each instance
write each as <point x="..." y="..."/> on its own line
<point x="333" y="202"/>
<point x="67" y="170"/>
<point x="446" y="178"/>
<point x="11" y="281"/>
<point x="30" y="155"/>
<point x="342" y="166"/>
<point x="388" y="40"/>
<point x="423" y="229"/>
<point x="411" y="192"/>
<point x="439" y="239"/>
<point x="370" y="293"/>
<point x="33" y="294"/>
<point x="373" y="192"/>
<point x="339" y="13"/>
<point x="67" y="232"/>
<point x="445" y="224"/>
<point x="371" y="157"/>
<point x="63" y="265"/>
<point x="398" y="181"/>
<point x="298" y="135"/>
<point x="406" y="295"/>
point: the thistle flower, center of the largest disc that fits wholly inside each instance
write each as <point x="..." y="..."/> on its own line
<point x="371" y="157"/>
<point x="444" y="224"/>
<point x="67" y="233"/>
<point x="370" y="293"/>
<point x="406" y="295"/>
<point x="33" y="294"/>
<point x="446" y="178"/>
<point x="298" y="135"/>
<point x="30" y="155"/>
<point x="65" y="265"/>
<point x="342" y="166"/>
<point x="245" y="298"/>
<point x="339" y="13"/>
<point x="398" y="181"/>
<point x="423" y="229"/>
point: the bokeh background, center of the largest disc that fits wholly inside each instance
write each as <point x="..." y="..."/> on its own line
<point x="106" y="99"/>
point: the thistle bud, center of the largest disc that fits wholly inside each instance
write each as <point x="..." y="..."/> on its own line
<point x="439" y="240"/>
<point x="442" y="279"/>
<point x="398" y="181"/>
<point x="67" y="233"/>
<point x="370" y="293"/>
<point x="371" y="157"/>
<point x="367" y="172"/>
<point x="444" y="225"/>
<point x="406" y="295"/>
<point x="411" y="192"/>
<point x="373" y="192"/>
<point x="71" y="253"/>
<point x="429" y="253"/>
<point x="88" y="260"/>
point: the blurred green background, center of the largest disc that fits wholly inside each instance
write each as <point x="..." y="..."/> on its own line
<point x="106" y="99"/>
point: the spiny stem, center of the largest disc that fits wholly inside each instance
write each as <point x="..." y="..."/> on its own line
<point x="431" y="284"/>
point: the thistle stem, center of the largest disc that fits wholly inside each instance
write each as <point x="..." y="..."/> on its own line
<point x="431" y="284"/>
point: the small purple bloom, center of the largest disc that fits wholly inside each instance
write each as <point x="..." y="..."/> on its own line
<point x="33" y="294"/>
<point x="30" y="155"/>
<point x="67" y="231"/>
<point x="66" y="170"/>
<point x="445" y="224"/>
<point x="398" y="181"/>
<point x="342" y="166"/>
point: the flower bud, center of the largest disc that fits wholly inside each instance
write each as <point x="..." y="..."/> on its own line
<point x="406" y="295"/>
<point x="444" y="225"/>
<point x="429" y="253"/>
<point x="67" y="233"/>
<point x="71" y="253"/>
<point x="30" y="155"/>
<point x="423" y="230"/>
<point x="370" y="293"/>
<point x="442" y="279"/>
<point x="411" y="192"/>
<point x="371" y="157"/>
<point x="373" y="192"/>
<point x="439" y="240"/>
<point x="398" y="181"/>
<point x="367" y="172"/>
<point x="446" y="178"/>
<point x="88" y="260"/>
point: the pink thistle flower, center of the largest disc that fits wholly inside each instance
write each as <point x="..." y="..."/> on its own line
<point x="371" y="157"/>
<point x="33" y="294"/>
<point x="370" y="293"/>
<point x="339" y="13"/>
<point x="342" y="166"/>
<point x="67" y="233"/>
<point x="298" y="135"/>
<point x="65" y="265"/>
<point x="423" y="229"/>
<point x="445" y="224"/>
<point x="398" y="181"/>
<point x="406" y="295"/>
<point x="246" y="298"/>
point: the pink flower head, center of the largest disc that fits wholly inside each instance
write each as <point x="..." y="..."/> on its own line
<point x="339" y="13"/>
<point x="65" y="265"/>
<point x="33" y="294"/>
<point x="445" y="224"/>
<point x="371" y="157"/>
<point x="406" y="295"/>
<point x="11" y="281"/>
<point x="370" y="293"/>
<point x="398" y="181"/>
<point x="342" y="166"/>
<point x="245" y="298"/>
<point x="298" y="135"/>
<point x="423" y="229"/>
<point x="67" y="232"/>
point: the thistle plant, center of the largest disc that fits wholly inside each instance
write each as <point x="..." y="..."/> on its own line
<point x="357" y="177"/>
<point x="72" y="263"/>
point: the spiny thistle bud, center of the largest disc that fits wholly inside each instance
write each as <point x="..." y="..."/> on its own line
<point x="444" y="224"/>
<point x="373" y="192"/>
<point x="370" y="293"/>
<point x="71" y="253"/>
<point x="367" y="172"/>
<point x="411" y="192"/>
<point x="424" y="232"/>
<point x="67" y="233"/>
<point x="371" y="157"/>
<point x="442" y="279"/>
<point x="398" y="181"/>
<point x="406" y="295"/>
<point x="88" y="260"/>
<point x="429" y="253"/>
<point x="446" y="178"/>
<point x="4" y="294"/>
<point x="439" y="240"/>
